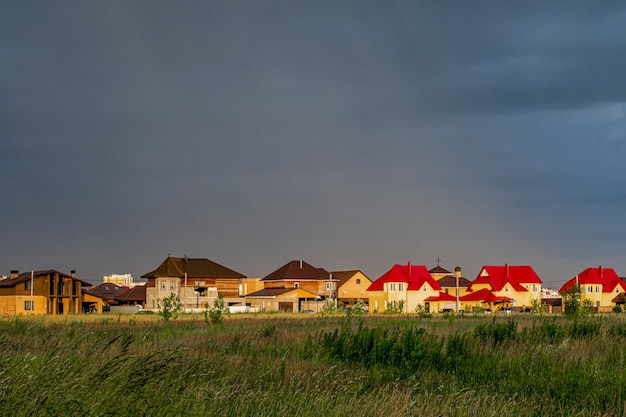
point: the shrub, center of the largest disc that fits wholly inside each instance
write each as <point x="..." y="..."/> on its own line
<point x="216" y="313"/>
<point x="170" y="307"/>
<point x="358" y="309"/>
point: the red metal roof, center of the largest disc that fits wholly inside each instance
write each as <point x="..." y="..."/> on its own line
<point x="441" y="297"/>
<point x="515" y="275"/>
<point x="607" y="277"/>
<point x="414" y="275"/>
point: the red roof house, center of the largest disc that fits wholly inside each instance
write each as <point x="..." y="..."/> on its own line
<point x="599" y="285"/>
<point x="411" y="284"/>
<point x="518" y="283"/>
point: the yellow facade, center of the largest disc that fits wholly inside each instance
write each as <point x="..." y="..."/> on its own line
<point x="354" y="288"/>
<point x="49" y="292"/>
<point x="394" y="292"/>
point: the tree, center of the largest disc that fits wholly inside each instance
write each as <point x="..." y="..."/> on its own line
<point x="216" y="313"/>
<point x="572" y="300"/>
<point x="170" y="307"/>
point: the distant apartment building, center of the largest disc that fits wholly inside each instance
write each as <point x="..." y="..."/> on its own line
<point x="123" y="280"/>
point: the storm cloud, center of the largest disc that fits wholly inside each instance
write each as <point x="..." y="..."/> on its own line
<point x="349" y="134"/>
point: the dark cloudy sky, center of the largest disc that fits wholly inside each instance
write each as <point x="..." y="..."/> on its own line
<point x="353" y="135"/>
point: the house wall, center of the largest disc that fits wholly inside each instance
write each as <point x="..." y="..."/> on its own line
<point x="14" y="305"/>
<point x="417" y="297"/>
<point x="47" y="295"/>
<point x="351" y="290"/>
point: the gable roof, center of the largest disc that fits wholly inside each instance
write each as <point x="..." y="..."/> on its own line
<point x="498" y="276"/>
<point x="107" y="291"/>
<point x="442" y="296"/>
<point x="193" y="267"/>
<point x="25" y="276"/>
<point x="414" y="275"/>
<point x="484" y="295"/>
<point x="273" y="292"/>
<point x="344" y="276"/>
<point x="449" y="281"/>
<point x="137" y="294"/>
<point x="298" y="271"/>
<point x="439" y="270"/>
<point x="607" y="277"/>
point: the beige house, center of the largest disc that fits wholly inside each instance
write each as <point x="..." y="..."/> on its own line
<point x="284" y="300"/>
<point x="198" y="282"/>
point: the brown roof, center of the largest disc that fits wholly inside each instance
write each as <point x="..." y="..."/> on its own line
<point x="344" y="276"/>
<point x="449" y="281"/>
<point x="107" y="291"/>
<point x="25" y="276"/>
<point x="439" y="270"/>
<point x="137" y="293"/>
<point x="298" y="270"/>
<point x="193" y="267"/>
<point x="270" y="292"/>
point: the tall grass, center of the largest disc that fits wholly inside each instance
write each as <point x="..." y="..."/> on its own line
<point x="311" y="366"/>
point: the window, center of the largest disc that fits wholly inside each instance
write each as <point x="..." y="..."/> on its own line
<point x="400" y="287"/>
<point x="425" y="289"/>
<point x="28" y="305"/>
<point x="597" y="288"/>
<point x="392" y="287"/>
<point x="296" y="284"/>
<point x="27" y="285"/>
<point x="446" y="290"/>
<point x="163" y="287"/>
<point x="358" y="281"/>
<point x="535" y="288"/>
<point x="590" y="288"/>
<point x="328" y="286"/>
<point x="506" y="289"/>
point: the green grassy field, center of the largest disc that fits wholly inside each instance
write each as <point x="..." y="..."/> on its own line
<point x="305" y="365"/>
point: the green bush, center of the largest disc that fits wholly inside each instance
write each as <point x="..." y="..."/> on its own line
<point x="170" y="307"/>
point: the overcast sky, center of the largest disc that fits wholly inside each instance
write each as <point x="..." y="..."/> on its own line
<point x="352" y="135"/>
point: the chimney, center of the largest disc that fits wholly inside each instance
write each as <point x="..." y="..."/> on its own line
<point x="506" y="270"/>
<point x="300" y="263"/>
<point x="409" y="265"/>
<point x="457" y="272"/>
<point x="601" y="271"/>
<point x="73" y="273"/>
<point x="14" y="273"/>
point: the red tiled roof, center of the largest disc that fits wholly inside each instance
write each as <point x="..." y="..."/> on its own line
<point x="607" y="277"/>
<point x="481" y="295"/>
<point x="498" y="276"/>
<point x="414" y="275"/>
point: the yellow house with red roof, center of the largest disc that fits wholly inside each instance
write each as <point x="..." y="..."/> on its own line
<point x="515" y="285"/>
<point x="411" y="284"/>
<point x="599" y="285"/>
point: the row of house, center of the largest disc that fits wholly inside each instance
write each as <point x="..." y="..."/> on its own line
<point x="299" y="286"/>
